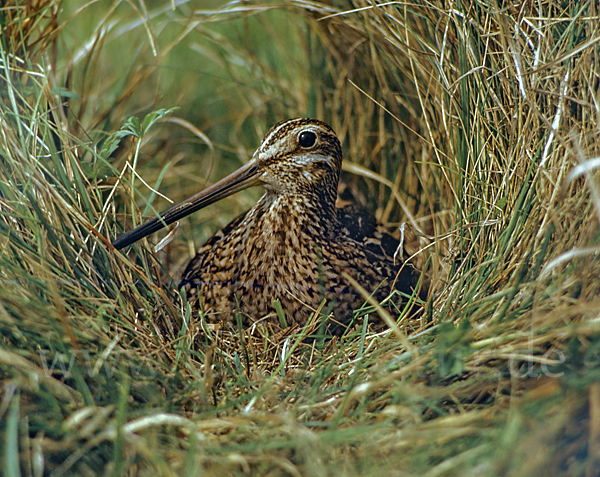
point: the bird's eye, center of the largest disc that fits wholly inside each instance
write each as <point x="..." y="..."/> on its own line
<point x="307" y="139"/>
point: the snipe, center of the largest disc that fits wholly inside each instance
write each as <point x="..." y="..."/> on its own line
<point x="294" y="244"/>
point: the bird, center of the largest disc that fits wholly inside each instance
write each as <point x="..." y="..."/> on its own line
<point x="293" y="250"/>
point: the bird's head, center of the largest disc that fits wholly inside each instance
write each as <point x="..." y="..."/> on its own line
<point x="296" y="157"/>
<point x="299" y="156"/>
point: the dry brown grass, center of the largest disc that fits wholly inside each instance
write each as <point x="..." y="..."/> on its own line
<point x="477" y="125"/>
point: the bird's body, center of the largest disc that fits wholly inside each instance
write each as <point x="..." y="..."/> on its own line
<point x="273" y="252"/>
<point x="294" y="245"/>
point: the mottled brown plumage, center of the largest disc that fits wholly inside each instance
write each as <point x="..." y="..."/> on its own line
<point x="294" y="244"/>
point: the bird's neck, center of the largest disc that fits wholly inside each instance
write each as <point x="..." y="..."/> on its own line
<point x="281" y="239"/>
<point x="312" y="215"/>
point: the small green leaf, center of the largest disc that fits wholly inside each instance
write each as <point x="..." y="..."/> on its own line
<point x="111" y="143"/>
<point x="154" y="116"/>
<point x="103" y="170"/>
<point x="132" y="125"/>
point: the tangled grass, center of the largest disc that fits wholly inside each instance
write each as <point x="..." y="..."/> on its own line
<point x="476" y="125"/>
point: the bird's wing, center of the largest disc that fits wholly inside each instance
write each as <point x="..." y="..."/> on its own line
<point x="379" y="247"/>
<point x="197" y="264"/>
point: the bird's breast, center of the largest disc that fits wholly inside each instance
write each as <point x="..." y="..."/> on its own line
<point x="280" y="247"/>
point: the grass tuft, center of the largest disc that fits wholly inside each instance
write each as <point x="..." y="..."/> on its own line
<point x="471" y="127"/>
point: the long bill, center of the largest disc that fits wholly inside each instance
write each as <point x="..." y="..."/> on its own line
<point x="246" y="176"/>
